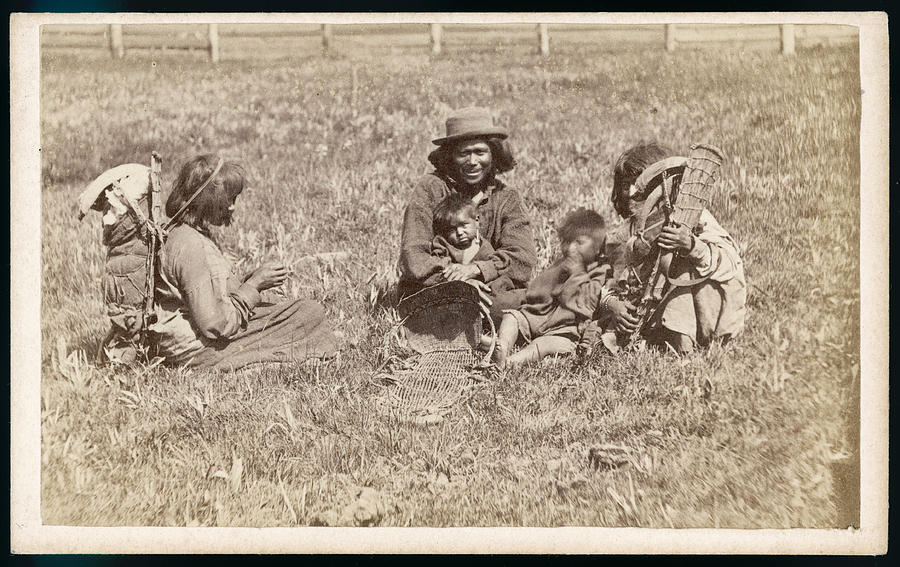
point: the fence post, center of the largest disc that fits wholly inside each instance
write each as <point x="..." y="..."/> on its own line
<point x="787" y="39"/>
<point x="670" y="37"/>
<point x="116" y="45"/>
<point x="326" y="36"/>
<point x="544" y="38"/>
<point x="435" y="39"/>
<point x="214" y="43"/>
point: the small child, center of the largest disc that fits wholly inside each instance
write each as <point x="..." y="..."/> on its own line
<point x="561" y="301"/>
<point x="456" y="227"/>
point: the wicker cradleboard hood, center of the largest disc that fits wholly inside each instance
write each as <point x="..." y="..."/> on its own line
<point x="132" y="178"/>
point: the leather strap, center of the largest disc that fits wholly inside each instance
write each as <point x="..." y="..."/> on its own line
<point x="143" y="221"/>
<point x="674" y="285"/>
<point x="687" y="283"/>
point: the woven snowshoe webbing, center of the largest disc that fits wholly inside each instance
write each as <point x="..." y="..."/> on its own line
<point x="443" y="317"/>
<point x="450" y="326"/>
<point x="435" y="384"/>
<point x="439" y="293"/>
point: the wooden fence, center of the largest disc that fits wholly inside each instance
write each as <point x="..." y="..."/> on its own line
<point x="260" y="39"/>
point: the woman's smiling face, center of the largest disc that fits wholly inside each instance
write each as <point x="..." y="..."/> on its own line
<point x="473" y="161"/>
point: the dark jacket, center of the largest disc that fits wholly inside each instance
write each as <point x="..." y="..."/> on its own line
<point x="502" y="223"/>
<point x="565" y="296"/>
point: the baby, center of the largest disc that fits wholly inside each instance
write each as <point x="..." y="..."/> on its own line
<point x="456" y="226"/>
<point x="561" y="301"/>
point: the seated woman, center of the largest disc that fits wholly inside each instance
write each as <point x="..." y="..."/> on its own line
<point x="466" y="162"/>
<point x="713" y="308"/>
<point x="209" y="318"/>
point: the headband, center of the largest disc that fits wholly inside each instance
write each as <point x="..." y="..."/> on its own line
<point x="196" y="193"/>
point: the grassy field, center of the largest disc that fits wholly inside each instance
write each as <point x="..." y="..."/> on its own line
<point x="757" y="434"/>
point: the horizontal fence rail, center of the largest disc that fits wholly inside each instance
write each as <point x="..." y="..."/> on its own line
<point x="258" y="40"/>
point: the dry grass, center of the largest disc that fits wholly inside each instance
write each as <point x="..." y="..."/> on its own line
<point x="742" y="437"/>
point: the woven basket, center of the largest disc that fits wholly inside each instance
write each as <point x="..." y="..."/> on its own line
<point x="443" y="325"/>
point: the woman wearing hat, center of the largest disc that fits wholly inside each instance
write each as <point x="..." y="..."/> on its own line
<point x="466" y="162"/>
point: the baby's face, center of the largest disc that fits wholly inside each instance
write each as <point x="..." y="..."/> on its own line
<point x="589" y="247"/>
<point x="462" y="229"/>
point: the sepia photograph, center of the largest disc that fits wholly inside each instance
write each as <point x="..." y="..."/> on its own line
<point x="489" y="273"/>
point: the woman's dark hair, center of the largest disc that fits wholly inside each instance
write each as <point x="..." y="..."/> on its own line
<point x="629" y="167"/>
<point x="501" y="155"/>
<point x="453" y="204"/>
<point x="580" y="222"/>
<point x="212" y="203"/>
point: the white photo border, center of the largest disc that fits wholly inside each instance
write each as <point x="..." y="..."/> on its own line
<point x="29" y="535"/>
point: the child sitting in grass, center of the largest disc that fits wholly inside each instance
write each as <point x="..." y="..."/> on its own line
<point x="458" y="239"/>
<point x="561" y="300"/>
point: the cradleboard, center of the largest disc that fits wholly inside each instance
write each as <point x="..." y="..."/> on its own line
<point x="128" y="197"/>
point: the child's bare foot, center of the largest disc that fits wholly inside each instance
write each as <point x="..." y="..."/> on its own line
<point x="500" y="354"/>
<point x="485" y="342"/>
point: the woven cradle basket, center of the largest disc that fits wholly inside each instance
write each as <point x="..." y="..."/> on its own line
<point x="443" y="325"/>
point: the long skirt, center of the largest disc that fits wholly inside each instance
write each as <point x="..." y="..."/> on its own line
<point x="292" y="331"/>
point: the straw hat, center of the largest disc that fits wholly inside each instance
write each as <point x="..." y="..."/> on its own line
<point x="472" y="122"/>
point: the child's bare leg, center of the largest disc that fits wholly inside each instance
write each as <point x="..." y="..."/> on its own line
<point x="506" y="338"/>
<point x="541" y="347"/>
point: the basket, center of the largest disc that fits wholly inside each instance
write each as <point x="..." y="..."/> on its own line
<point x="443" y="325"/>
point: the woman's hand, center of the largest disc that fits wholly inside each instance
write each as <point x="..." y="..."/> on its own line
<point x="623" y="311"/>
<point x="269" y="275"/>
<point x="455" y="272"/>
<point x="676" y="239"/>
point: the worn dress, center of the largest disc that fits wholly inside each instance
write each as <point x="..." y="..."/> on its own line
<point x="502" y="224"/>
<point x="208" y="318"/>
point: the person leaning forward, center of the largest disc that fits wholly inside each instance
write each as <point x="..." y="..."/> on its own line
<point x="467" y="161"/>
<point x="714" y="308"/>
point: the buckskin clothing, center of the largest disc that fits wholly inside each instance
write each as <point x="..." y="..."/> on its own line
<point x="124" y="286"/>
<point x="124" y="280"/>
<point x="502" y="223"/>
<point x="715" y="308"/>
<point x="209" y="318"/>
